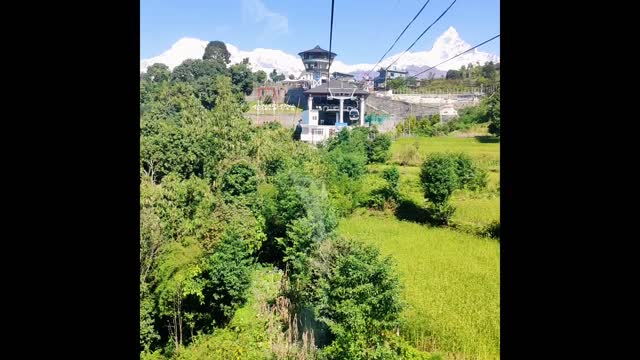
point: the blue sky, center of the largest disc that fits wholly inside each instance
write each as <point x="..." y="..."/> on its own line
<point x="362" y="30"/>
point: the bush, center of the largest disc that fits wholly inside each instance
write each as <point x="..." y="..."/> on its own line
<point x="441" y="213"/>
<point x="439" y="177"/>
<point x="378" y="149"/>
<point x="410" y="155"/>
<point x="469" y="175"/>
<point x="354" y="165"/>
<point x="225" y="278"/>
<point x="357" y="295"/>
<point x="493" y="230"/>
<point x="239" y="180"/>
<point x="493" y="113"/>
<point x="442" y="174"/>
<point x="376" y="200"/>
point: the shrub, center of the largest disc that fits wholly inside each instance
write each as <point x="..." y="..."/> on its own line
<point x="357" y="295"/>
<point x="225" y="278"/>
<point x="392" y="175"/>
<point x="239" y="180"/>
<point x="354" y="165"/>
<point x="493" y="113"/>
<point x="441" y="213"/>
<point x="469" y="175"/>
<point x="410" y="155"/>
<point x="378" y="149"/>
<point x="442" y="174"/>
<point x="376" y="200"/>
<point x="439" y="177"/>
<point x="493" y="230"/>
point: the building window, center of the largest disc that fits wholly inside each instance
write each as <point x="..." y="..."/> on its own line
<point x="317" y="131"/>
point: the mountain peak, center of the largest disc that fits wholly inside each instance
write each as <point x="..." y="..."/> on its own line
<point x="451" y="32"/>
<point x="447" y="45"/>
<point x="189" y="41"/>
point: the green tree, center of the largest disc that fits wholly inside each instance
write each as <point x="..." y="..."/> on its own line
<point x="469" y="175"/>
<point x="493" y="113"/>
<point x="217" y="50"/>
<point x="291" y="77"/>
<point x="443" y="173"/>
<point x="149" y="337"/>
<point x="357" y="296"/>
<point x="489" y="70"/>
<point x="225" y="278"/>
<point x="239" y="180"/>
<point x="242" y="78"/>
<point x="439" y="180"/>
<point x="273" y="75"/>
<point x="396" y="83"/>
<point x="260" y="76"/>
<point x="378" y="148"/>
<point x="454" y="74"/>
<point x="191" y="70"/>
<point x="157" y="73"/>
<point x="299" y="217"/>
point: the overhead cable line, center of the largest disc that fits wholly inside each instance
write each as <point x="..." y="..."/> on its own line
<point x="453" y="57"/>
<point x="425" y="30"/>
<point x="330" y="41"/>
<point x="399" y="36"/>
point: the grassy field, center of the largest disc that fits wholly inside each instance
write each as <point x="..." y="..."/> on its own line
<point x="474" y="210"/>
<point x="451" y="277"/>
<point x="484" y="149"/>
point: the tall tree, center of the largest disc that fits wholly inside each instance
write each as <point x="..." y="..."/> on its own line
<point x="217" y="50"/>
<point x="242" y="77"/>
<point x="273" y="75"/>
<point x="157" y="73"/>
<point x="191" y="70"/>
<point x="260" y="76"/>
<point x="454" y="74"/>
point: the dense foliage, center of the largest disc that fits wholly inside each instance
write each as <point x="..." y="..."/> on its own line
<point x="443" y="173"/>
<point x="357" y="296"/>
<point x="218" y="196"/>
<point x="493" y="113"/>
<point x="487" y="111"/>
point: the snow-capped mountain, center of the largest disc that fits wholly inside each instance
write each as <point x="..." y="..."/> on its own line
<point x="445" y="47"/>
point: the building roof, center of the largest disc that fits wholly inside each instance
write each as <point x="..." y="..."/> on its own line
<point x="335" y="84"/>
<point x="316" y="49"/>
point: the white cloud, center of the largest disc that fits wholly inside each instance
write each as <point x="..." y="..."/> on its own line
<point x="445" y="47"/>
<point x="275" y="24"/>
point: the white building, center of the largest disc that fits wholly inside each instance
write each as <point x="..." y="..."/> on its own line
<point x="332" y="104"/>
<point x="331" y="107"/>
<point x="316" y="65"/>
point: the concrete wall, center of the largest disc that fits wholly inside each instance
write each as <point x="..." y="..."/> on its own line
<point x="286" y="120"/>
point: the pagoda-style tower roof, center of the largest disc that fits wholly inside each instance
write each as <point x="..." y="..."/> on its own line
<point x="316" y="50"/>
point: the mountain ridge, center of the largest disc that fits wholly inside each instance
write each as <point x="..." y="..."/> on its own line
<point x="446" y="46"/>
